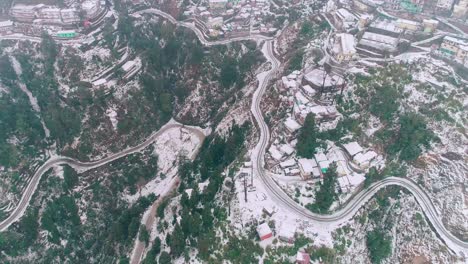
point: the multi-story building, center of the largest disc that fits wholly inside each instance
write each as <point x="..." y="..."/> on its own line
<point x="445" y="5"/>
<point x="460" y="9"/>
<point x="6" y="27"/>
<point x="462" y="54"/>
<point x="430" y="25"/>
<point x="392" y="4"/>
<point x="410" y="25"/>
<point x="454" y="47"/>
<point x="49" y="15"/>
<point x="343" y="49"/>
<point x="92" y="8"/>
<point x="69" y="16"/>
<point x="412" y="6"/>
<point x="23" y="13"/>
<point x="43" y="14"/>
<point x="217" y="4"/>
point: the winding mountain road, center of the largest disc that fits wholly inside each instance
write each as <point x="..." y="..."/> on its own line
<point x="84" y="166"/>
<point x="351" y="207"/>
<point x="340" y="216"/>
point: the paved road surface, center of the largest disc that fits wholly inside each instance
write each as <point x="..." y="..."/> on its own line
<point x="344" y="214"/>
<point x="82" y="167"/>
<point x="352" y="206"/>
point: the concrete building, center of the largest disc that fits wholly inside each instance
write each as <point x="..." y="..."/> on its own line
<point x="444" y="4"/>
<point x="6" y="27"/>
<point x="378" y="42"/>
<point x="392" y="4"/>
<point x="217" y="4"/>
<point x="302" y="258"/>
<point x="287" y="233"/>
<point x="24" y="13"/>
<point x="215" y="22"/>
<point x="320" y="80"/>
<point x="460" y="9"/>
<point x="352" y="148"/>
<point x="385" y="27"/>
<point x="43" y="14"/>
<point x="51" y="14"/>
<point x="343" y="48"/>
<point x="451" y="46"/>
<point x="346" y="18"/>
<point x="412" y="6"/>
<point x="288" y="163"/>
<point x="364" y="159"/>
<point x="430" y="25"/>
<point x="462" y="54"/>
<point x="405" y="24"/>
<point x="309" y="168"/>
<point x="69" y="16"/>
<point x="264" y="231"/>
<point x="291" y="125"/>
<point x="92" y="8"/>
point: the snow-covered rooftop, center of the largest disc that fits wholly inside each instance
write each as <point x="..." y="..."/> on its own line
<point x="288" y="163"/>
<point x="292" y="125"/>
<point x="263" y="230"/>
<point x="307" y="165"/>
<point x="352" y="148"/>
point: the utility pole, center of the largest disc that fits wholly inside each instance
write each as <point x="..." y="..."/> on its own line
<point x="245" y="185"/>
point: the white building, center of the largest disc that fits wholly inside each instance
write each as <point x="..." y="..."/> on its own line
<point x="6" y="27"/>
<point x="128" y="66"/>
<point x="379" y="42"/>
<point x="291" y="125"/>
<point x="309" y="168"/>
<point x="318" y="78"/>
<point x="288" y="163"/>
<point x="217" y="4"/>
<point x="275" y="153"/>
<point x="92" y="8"/>
<point x="343" y="49"/>
<point x="215" y="22"/>
<point x="406" y="24"/>
<point x="445" y="4"/>
<point x="23" y="13"/>
<point x="347" y="19"/>
<point x="69" y="16"/>
<point x="287" y="233"/>
<point x="352" y="148"/>
<point x="264" y="231"/>
<point x="364" y="160"/>
<point x="460" y="9"/>
<point x="286" y="149"/>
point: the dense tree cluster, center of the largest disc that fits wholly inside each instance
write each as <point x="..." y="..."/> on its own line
<point x="412" y="137"/>
<point x="199" y="211"/>
<point x="379" y="245"/>
<point x="326" y="194"/>
<point x="307" y="139"/>
<point x="404" y="134"/>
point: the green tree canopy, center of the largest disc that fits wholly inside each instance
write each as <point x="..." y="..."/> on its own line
<point x="307" y="139"/>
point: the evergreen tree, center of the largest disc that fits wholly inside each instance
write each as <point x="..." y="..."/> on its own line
<point x="307" y="139"/>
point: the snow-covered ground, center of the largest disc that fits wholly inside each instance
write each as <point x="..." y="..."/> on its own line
<point x="169" y="147"/>
<point x="252" y="211"/>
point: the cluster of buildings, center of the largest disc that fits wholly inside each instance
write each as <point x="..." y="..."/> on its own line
<point x="286" y="234"/>
<point x="377" y="37"/>
<point x="32" y="20"/>
<point x="351" y="161"/>
<point x="454" y="8"/>
<point x="298" y="91"/>
<point x="45" y="14"/>
<point x="221" y="17"/>
<point x="456" y="49"/>
<point x="383" y="36"/>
